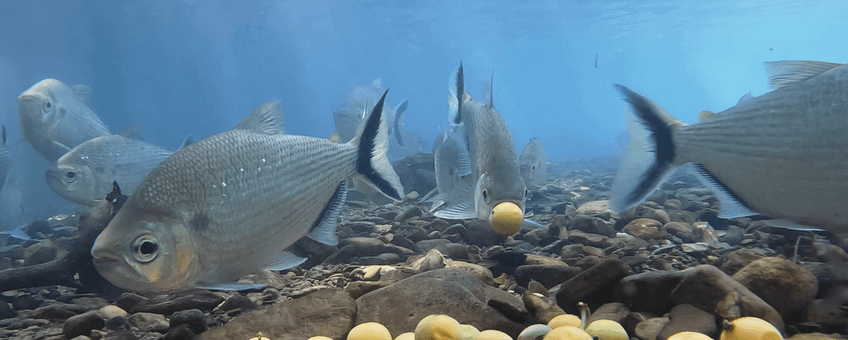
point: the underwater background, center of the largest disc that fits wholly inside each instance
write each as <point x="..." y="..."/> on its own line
<point x="177" y="68"/>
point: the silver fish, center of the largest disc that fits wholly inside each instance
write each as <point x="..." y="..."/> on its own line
<point x="533" y="164"/>
<point x="452" y="169"/>
<point x="54" y="118"/>
<point x="231" y="205"/>
<point x="4" y="158"/>
<point x="497" y="192"/>
<point x="350" y="117"/>
<point x="782" y="154"/>
<point x="85" y="174"/>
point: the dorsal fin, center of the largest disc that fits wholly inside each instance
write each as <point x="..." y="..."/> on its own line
<point x="787" y="72"/>
<point x="490" y="101"/>
<point x="460" y="95"/>
<point x="745" y="98"/>
<point x="82" y="92"/>
<point x="267" y="119"/>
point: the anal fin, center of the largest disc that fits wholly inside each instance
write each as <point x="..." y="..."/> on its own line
<point x="732" y="206"/>
<point x="286" y="260"/>
<point x="325" y="231"/>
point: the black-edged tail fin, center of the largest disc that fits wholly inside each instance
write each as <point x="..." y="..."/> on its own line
<point x="372" y="165"/>
<point x="650" y="155"/>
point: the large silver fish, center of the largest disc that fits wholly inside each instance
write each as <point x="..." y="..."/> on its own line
<point x="360" y="100"/>
<point x="85" y="174"/>
<point x="453" y="170"/>
<point x="231" y="204"/>
<point x="4" y="158"/>
<point x="496" y="191"/>
<point x="54" y="118"/>
<point x="533" y="164"/>
<point x="783" y="154"/>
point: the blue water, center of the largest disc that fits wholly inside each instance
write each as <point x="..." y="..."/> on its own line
<point x="174" y="68"/>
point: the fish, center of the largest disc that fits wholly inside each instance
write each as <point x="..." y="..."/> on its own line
<point x="350" y="117"/>
<point x="533" y="165"/>
<point x="452" y="169"/>
<point x="54" y="118"/>
<point x="496" y="192"/>
<point x="233" y="203"/>
<point x="85" y="174"/>
<point x="782" y="154"/>
<point x="5" y="158"/>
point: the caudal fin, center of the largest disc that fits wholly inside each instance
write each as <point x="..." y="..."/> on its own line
<point x="650" y="155"/>
<point x="372" y="165"/>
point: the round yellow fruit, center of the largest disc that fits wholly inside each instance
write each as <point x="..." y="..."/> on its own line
<point x="607" y="330"/>
<point x="506" y="218"/>
<point x="369" y="331"/>
<point x="565" y="320"/>
<point x="468" y="332"/>
<point x="567" y="333"/>
<point x="749" y="328"/>
<point x="687" y="335"/>
<point x="259" y="336"/>
<point x="491" y="334"/>
<point x="320" y="337"/>
<point x="437" y="327"/>
<point x="406" y="336"/>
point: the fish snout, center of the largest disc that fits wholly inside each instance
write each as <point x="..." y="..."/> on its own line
<point x="36" y="106"/>
<point x="506" y="218"/>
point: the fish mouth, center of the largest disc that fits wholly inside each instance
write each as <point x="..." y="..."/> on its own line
<point x="506" y="218"/>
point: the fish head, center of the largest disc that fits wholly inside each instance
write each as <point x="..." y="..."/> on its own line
<point x="39" y="104"/>
<point x="500" y="203"/>
<point x="144" y="251"/>
<point x="74" y="181"/>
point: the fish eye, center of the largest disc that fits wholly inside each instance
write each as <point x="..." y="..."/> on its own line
<point x="47" y="105"/>
<point x="145" y="248"/>
<point x="526" y="193"/>
<point x="486" y="195"/>
<point x="70" y="176"/>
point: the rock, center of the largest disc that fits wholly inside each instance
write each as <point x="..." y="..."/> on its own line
<point x="615" y="311"/>
<point x="194" y="318"/>
<point x="41" y="252"/>
<point x="481" y="234"/>
<point x="382" y="259"/>
<point x="416" y="172"/>
<point x="58" y="311"/>
<point x="703" y="232"/>
<point x="657" y="214"/>
<point x="735" y="260"/>
<point x="149" y="322"/>
<point x="368" y="246"/>
<point x="91" y="302"/>
<point x="449" y="291"/>
<point x="708" y="288"/>
<point x="782" y="284"/>
<point x="645" y="228"/>
<point x="592" y="225"/>
<point x="481" y="273"/>
<point x="327" y="312"/>
<point x="433" y="260"/>
<point x="596" y="208"/>
<point x="455" y="229"/>
<point x="680" y="229"/>
<point x="6" y="311"/>
<point x="541" y="308"/>
<point x="82" y="324"/>
<point x="827" y="312"/>
<point x="362" y="227"/>
<point x="25" y="301"/>
<point x="548" y="275"/>
<point x="127" y="300"/>
<point x="587" y="239"/>
<point x="111" y="311"/>
<point x="120" y="335"/>
<point x="601" y="277"/>
<point x="694" y="248"/>
<point x="686" y="317"/>
<point x="118" y="323"/>
<point x="649" y="329"/>
<point x="410" y="212"/>
<point x="203" y="300"/>
<point x="649" y="291"/>
<point x="181" y="332"/>
<point x="239" y="302"/>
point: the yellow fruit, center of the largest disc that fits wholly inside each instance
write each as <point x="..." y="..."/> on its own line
<point x="406" y="336"/>
<point x="607" y="330"/>
<point x="369" y="331"/>
<point x="689" y="336"/>
<point x="506" y="218"/>
<point x="750" y="328"/>
<point x="491" y="334"/>
<point x="437" y="327"/>
<point x="565" y="320"/>
<point x="320" y="337"/>
<point x="567" y="333"/>
<point x="259" y="336"/>
<point x="468" y="332"/>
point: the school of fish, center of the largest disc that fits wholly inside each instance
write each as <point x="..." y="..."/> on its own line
<point x="195" y="212"/>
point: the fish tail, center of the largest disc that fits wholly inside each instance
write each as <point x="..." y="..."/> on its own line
<point x="650" y="156"/>
<point x="372" y="164"/>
